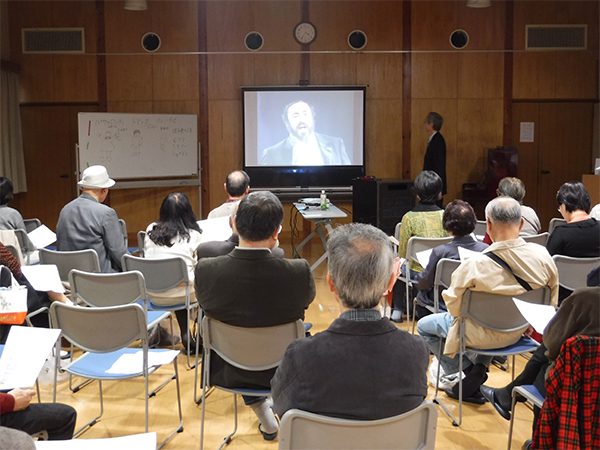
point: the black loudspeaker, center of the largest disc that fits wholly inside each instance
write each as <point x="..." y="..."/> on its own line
<point x="381" y="203"/>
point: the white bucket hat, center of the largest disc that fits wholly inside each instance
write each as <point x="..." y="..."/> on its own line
<point x="95" y="177"/>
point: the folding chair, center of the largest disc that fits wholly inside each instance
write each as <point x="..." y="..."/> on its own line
<point x="31" y="224"/>
<point x="417" y="244"/>
<point x="85" y="260"/>
<point x="572" y="272"/>
<point x="416" y="429"/>
<point x="162" y="275"/>
<point x="540" y="239"/>
<point x="105" y="335"/>
<point x="123" y="226"/>
<point x="554" y="223"/>
<point x="14" y="251"/>
<point x="100" y="290"/>
<point x="141" y="237"/>
<point x="254" y="349"/>
<point x="497" y="313"/>
<point x="532" y="395"/>
<point x="443" y="276"/>
<point x="27" y="248"/>
<point x="480" y="229"/>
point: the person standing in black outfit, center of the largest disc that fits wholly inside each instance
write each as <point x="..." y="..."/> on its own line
<point x="435" y="156"/>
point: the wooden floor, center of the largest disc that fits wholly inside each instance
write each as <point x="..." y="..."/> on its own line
<point x="482" y="427"/>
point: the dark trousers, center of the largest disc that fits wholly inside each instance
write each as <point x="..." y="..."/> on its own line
<point x="55" y="418"/>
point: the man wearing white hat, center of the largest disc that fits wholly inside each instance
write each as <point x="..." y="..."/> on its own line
<point x="86" y="223"/>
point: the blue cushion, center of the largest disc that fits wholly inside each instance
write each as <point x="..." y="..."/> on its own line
<point x="524" y="345"/>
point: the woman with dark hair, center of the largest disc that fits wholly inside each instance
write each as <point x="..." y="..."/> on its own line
<point x="580" y="236"/>
<point x="459" y="220"/>
<point x="175" y="234"/>
<point x="424" y="220"/>
<point x="10" y="218"/>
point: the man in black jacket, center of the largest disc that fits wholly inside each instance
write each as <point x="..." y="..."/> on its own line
<point x="338" y="372"/>
<point x="251" y="287"/>
<point x="435" y="156"/>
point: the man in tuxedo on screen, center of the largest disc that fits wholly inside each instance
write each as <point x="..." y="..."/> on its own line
<point x="435" y="156"/>
<point x="303" y="146"/>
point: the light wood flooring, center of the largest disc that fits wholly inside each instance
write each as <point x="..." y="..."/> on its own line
<point x="482" y="427"/>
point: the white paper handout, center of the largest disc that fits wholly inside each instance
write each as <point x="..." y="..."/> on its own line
<point x="423" y="257"/>
<point x="133" y="362"/>
<point x="44" y="277"/>
<point x="42" y="236"/>
<point x="538" y="316"/>
<point x="465" y="253"/>
<point x="215" y="229"/>
<point x="24" y="355"/>
<point x="144" y="441"/>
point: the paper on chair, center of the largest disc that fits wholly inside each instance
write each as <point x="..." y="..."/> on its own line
<point x="538" y="316"/>
<point x="215" y="229"/>
<point x="423" y="257"/>
<point x="465" y="253"/>
<point x="24" y="355"/>
<point x="42" y="236"/>
<point x="44" y="277"/>
<point x="144" y="441"/>
<point x="133" y="362"/>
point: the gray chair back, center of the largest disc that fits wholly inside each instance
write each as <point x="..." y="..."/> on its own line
<point x="100" y="330"/>
<point x="107" y="289"/>
<point x="85" y="260"/>
<point x="123" y="226"/>
<point x="443" y="276"/>
<point x="31" y="224"/>
<point x="161" y="275"/>
<point x="418" y="244"/>
<point x="480" y="228"/>
<point x="141" y="238"/>
<point x="540" y="239"/>
<point x="397" y="230"/>
<point x="499" y="312"/>
<point x="255" y="349"/>
<point x="416" y="429"/>
<point x="554" y="223"/>
<point x="572" y="272"/>
<point x="26" y="245"/>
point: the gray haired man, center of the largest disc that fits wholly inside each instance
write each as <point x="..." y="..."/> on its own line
<point x="530" y="262"/>
<point x="335" y="372"/>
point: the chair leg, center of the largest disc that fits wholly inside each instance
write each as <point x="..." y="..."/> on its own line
<point x="197" y="399"/>
<point x="179" y="428"/>
<point x="414" y="314"/>
<point x="437" y="401"/>
<point x="227" y="439"/>
<point x="407" y="285"/>
<point x="512" y="419"/>
<point x="513" y="367"/>
<point x="95" y="420"/>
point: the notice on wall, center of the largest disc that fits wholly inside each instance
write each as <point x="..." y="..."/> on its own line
<point x="526" y="131"/>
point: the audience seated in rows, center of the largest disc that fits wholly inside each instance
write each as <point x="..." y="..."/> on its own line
<point x="86" y="223"/>
<point x="176" y="234"/>
<point x="10" y="218"/>
<point x="579" y="314"/>
<point x="35" y="299"/>
<point x="337" y="372"/>
<point x="514" y="188"/>
<point x="237" y="185"/>
<point x="250" y="287"/>
<point x="458" y="220"/>
<point x="530" y="262"/>
<point x="17" y="412"/>
<point x="424" y="220"/>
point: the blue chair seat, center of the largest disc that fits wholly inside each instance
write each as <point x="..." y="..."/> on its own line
<point x="153" y="317"/>
<point x="95" y="365"/>
<point x="524" y="345"/>
<point x="531" y="393"/>
<point x="249" y="392"/>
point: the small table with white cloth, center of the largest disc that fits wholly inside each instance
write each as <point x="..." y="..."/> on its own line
<point x="322" y="219"/>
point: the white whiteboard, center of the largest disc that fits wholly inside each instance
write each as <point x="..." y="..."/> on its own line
<point x="139" y="145"/>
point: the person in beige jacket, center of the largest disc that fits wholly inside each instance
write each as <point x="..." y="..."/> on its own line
<point x="531" y="262"/>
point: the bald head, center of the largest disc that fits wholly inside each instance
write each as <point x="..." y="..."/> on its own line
<point x="503" y="216"/>
<point x="237" y="183"/>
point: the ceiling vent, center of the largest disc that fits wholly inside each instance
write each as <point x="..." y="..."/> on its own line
<point x="556" y="37"/>
<point x="53" y="40"/>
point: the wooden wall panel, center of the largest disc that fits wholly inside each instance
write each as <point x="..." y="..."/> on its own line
<point x="434" y="75"/>
<point x="174" y="77"/>
<point x="556" y="74"/>
<point x="480" y="75"/>
<point x="226" y="73"/>
<point x="528" y="170"/>
<point x="5" y="52"/>
<point x="137" y="85"/>
<point x="384" y="138"/>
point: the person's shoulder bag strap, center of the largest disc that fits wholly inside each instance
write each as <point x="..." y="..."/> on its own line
<point x="503" y="264"/>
